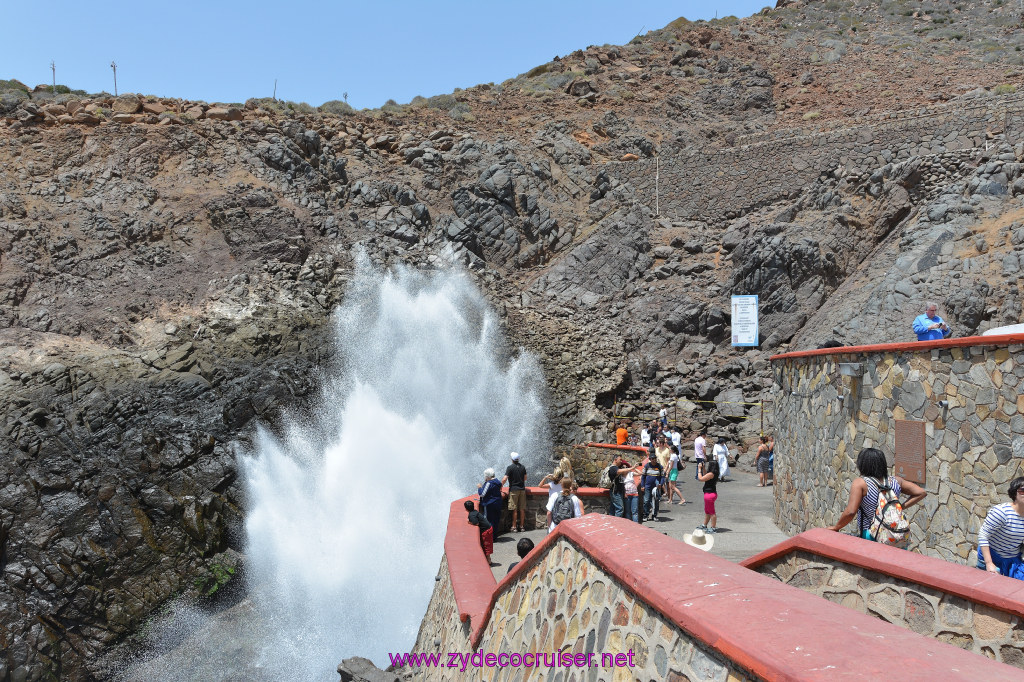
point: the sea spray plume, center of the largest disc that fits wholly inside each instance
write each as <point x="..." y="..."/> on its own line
<point x="347" y="514"/>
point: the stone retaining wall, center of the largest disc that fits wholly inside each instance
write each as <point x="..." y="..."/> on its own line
<point x="927" y="611"/>
<point x="963" y="606"/>
<point x="710" y="184"/>
<point x="590" y="459"/>
<point x="565" y="602"/>
<point x="974" y="446"/>
<point x="663" y="610"/>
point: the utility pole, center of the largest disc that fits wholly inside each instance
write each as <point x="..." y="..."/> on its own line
<point x="53" y="68"/>
<point x="274" y="97"/>
<point x="113" y="65"/>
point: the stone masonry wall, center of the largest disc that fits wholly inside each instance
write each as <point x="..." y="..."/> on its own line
<point x="926" y="611"/>
<point x="566" y="602"/>
<point x="441" y="629"/>
<point x="710" y="184"/>
<point x="974" y="447"/>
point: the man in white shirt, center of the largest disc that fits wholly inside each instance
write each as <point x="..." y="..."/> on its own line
<point x="700" y="450"/>
<point x="677" y="440"/>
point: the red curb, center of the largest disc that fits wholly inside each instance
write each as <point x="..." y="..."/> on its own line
<point x="472" y="580"/>
<point x="613" y="446"/>
<point x="999" y="340"/>
<point x="999" y="592"/>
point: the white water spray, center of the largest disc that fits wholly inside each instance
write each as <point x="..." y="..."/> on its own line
<point x="347" y="515"/>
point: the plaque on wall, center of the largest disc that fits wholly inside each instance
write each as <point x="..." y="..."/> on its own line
<point x="909" y="454"/>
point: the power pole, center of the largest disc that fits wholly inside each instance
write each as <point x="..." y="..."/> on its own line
<point x="53" y="68"/>
<point x="113" y="65"/>
<point x="275" y="91"/>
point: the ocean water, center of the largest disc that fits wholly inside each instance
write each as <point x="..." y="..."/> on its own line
<point x="347" y="509"/>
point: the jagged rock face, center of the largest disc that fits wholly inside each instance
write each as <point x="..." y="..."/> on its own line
<point x="166" y="277"/>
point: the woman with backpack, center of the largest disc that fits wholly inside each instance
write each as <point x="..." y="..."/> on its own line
<point x="564" y="506"/>
<point x="554" y="487"/>
<point x="875" y="482"/>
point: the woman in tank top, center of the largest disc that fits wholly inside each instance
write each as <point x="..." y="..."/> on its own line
<point x="864" y="491"/>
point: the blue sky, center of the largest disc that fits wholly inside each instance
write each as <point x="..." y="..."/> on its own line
<point x="229" y="51"/>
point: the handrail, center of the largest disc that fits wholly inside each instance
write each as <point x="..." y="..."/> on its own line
<point x="962" y="342"/>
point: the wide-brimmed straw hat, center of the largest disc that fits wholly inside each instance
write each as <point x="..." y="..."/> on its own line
<point x="699" y="539"/>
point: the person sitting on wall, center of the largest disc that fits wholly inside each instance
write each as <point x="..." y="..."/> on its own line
<point x="929" y="326"/>
<point x="621" y="434"/>
<point x="523" y="547"/>
<point x="486" y="531"/>
<point x="865" y="490"/>
<point x="1001" y="536"/>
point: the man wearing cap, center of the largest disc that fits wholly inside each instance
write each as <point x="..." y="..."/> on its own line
<point x="515" y="477"/>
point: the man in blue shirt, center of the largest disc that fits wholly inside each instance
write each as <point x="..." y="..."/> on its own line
<point x="930" y="326"/>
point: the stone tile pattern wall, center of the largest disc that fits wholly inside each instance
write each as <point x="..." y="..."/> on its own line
<point x="974" y="447"/>
<point x="441" y="629"/>
<point x="710" y="184"/>
<point x="927" y="611"/>
<point x="567" y="602"/>
<point x="536" y="507"/>
<point x="589" y="462"/>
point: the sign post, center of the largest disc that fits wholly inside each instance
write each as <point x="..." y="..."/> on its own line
<point x="744" y="321"/>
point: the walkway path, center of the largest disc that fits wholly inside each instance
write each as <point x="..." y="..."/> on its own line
<point x="744" y="521"/>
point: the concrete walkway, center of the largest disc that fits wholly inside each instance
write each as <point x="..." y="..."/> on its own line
<point x="745" y="524"/>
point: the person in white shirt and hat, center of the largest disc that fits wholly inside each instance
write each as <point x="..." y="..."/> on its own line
<point x="721" y="453"/>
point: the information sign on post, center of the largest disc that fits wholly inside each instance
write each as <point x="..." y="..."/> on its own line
<point x="744" y="321"/>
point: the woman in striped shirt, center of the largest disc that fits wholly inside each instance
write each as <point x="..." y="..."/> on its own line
<point x="864" y="491"/>
<point x="1002" y="534"/>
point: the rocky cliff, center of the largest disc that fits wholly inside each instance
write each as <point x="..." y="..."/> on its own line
<point x="168" y="267"/>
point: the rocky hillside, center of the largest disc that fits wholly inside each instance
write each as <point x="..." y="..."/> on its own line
<point x="168" y="267"/>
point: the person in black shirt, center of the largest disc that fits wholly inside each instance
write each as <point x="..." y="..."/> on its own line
<point x="515" y="476"/>
<point x="651" y="483"/>
<point x="616" y="496"/>
<point x="479" y="519"/>
<point x="709" y="474"/>
<point x="523" y="547"/>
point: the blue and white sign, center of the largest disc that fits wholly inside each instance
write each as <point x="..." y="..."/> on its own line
<point x="744" y="320"/>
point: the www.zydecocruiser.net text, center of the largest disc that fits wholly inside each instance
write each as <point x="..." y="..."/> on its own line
<point x="558" y="659"/>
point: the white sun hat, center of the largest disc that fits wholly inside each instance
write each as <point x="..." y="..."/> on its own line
<point x="699" y="539"/>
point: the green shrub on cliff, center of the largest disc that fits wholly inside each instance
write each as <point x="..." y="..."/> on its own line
<point x="337" y="107"/>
